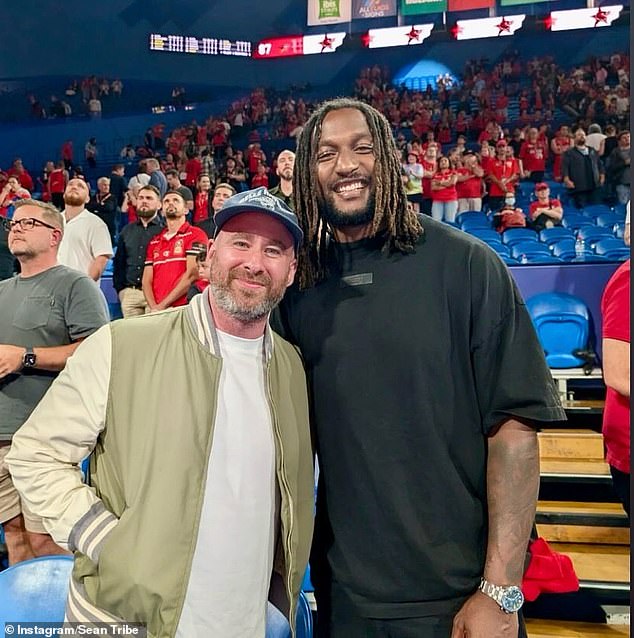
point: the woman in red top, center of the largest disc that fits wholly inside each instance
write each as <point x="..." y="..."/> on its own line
<point x="443" y="192"/>
<point x="469" y="186"/>
<point x="56" y="184"/>
<point x="559" y="145"/>
<point x="260" y="178"/>
<point x="193" y="168"/>
<point x="202" y="203"/>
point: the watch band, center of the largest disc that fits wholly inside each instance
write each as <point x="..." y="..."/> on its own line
<point x="509" y="598"/>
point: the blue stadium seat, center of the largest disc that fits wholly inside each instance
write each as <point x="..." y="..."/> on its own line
<point x="486" y="235"/>
<point x="501" y="249"/>
<point x="469" y="214"/>
<point x="575" y="221"/>
<point x="276" y="623"/>
<point x="307" y="584"/>
<point x="514" y="235"/>
<point x="542" y="259"/>
<point x="508" y="260"/>
<point x="592" y="234"/>
<point x="612" y="248"/>
<point x="551" y="235"/>
<point x="562" y="324"/>
<point x="35" y="590"/>
<point x="304" y="619"/>
<point x="564" y="249"/>
<point x="608" y="220"/>
<point x="475" y="223"/>
<point x="594" y="210"/>
<point x="528" y="248"/>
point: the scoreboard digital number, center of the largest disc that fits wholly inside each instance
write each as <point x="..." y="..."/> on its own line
<point x="281" y="47"/>
<point x="202" y="46"/>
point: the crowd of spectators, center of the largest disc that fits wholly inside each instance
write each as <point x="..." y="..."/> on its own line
<point x="460" y="144"/>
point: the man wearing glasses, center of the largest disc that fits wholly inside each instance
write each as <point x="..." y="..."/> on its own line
<point x="45" y="312"/>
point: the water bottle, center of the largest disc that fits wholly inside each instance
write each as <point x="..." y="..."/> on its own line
<point x="580" y="248"/>
<point x="523" y="259"/>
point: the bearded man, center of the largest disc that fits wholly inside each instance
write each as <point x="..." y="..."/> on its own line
<point x="129" y="259"/>
<point x="417" y="346"/>
<point x="215" y="462"/>
<point x="86" y="245"/>
<point x="170" y="263"/>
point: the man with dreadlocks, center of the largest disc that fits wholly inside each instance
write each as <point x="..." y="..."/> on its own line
<point x="427" y="380"/>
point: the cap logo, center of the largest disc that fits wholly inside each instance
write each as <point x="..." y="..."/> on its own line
<point x="260" y="199"/>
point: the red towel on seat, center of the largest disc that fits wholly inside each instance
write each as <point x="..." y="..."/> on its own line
<point x="548" y="572"/>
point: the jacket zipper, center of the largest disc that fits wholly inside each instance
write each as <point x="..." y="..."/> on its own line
<point x="283" y="481"/>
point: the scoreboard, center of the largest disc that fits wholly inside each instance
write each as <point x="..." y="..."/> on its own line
<point x="203" y="46"/>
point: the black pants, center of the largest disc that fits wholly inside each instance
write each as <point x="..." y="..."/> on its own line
<point x="621" y="485"/>
<point x="337" y="618"/>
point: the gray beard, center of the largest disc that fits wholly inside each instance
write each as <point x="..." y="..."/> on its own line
<point x="225" y="301"/>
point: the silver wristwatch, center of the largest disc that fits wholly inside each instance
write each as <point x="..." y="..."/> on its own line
<point x="510" y="599"/>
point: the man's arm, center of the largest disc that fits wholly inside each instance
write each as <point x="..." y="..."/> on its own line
<point x="616" y="365"/>
<point x="182" y="285"/>
<point x="97" y="266"/>
<point x="61" y="432"/>
<point x="52" y="358"/>
<point x="119" y="265"/>
<point x="146" y="285"/>
<point x="512" y="487"/>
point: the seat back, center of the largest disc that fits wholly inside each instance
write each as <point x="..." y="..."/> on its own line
<point x="551" y="235"/>
<point x="612" y="248"/>
<point x="486" y="235"/>
<point x="528" y="248"/>
<point x="562" y="323"/>
<point x="514" y="235"/>
<point x="35" y="590"/>
<point x="592" y="234"/>
<point x="304" y="620"/>
<point x="474" y="223"/>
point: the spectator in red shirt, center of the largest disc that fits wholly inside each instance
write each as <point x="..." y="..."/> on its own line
<point x="57" y="180"/>
<point x="615" y="310"/>
<point x="544" y="212"/>
<point x="502" y="174"/>
<point x="469" y="185"/>
<point x="254" y="156"/>
<point x="559" y="145"/>
<point x="18" y="170"/>
<point x="11" y="192"/>
<point x="429" y="164"/>
<point x="193" y="168"/>
<point x="67" y="154"/>
<point x="533" y="155"/>
<point x="443" y="192"/>
<point x="260" y="178"/>
<point x="202" y="202"/>
<point x="170" y="265"/>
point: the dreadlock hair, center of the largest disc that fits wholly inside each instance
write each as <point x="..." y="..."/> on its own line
<point x="392" y="216"/>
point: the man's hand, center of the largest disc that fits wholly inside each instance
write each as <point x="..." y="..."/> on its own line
<point x="481" y="617"/>
<point x="568" y="182"/>
<point x="11" y="358"/>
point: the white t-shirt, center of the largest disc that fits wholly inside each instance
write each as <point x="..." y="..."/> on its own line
<point x="231" y="570"/>
<point x="86" y="236"/>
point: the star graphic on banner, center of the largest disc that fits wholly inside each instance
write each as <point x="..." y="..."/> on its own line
<point x="549" y="21"/>
<point x="504" y="26"/>
<point x="326" y="43"/>
<point x="413" y="35"/>
<point x="456" y="31"/>
<point x="366" y="38"/>
<point x="600" y="16"/>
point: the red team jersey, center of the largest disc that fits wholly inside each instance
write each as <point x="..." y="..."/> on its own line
<point x="168" y="258"/>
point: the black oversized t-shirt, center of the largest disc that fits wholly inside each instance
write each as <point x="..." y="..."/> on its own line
<point x="412" y="360"/>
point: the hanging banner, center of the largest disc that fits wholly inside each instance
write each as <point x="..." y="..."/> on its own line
<point x="397" y="36"/>
<point x="467" y="5"/>
<point x="328" y="11"/>
<point x="415" y="7"/>
<point x="488" y="27"/>
<point x="362" y="9"/>
<point x="584" y="18"/>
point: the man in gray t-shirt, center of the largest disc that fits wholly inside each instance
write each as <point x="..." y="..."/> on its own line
<point x="45" y="312"/>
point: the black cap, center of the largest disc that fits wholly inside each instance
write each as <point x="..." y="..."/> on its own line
<point x="259" y="200"/>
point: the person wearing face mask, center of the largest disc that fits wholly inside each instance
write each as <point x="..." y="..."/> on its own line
<point x="129" y="259"/>
<point x="509" y="216"/>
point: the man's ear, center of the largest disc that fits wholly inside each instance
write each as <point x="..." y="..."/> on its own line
<point x="210" y="248"/>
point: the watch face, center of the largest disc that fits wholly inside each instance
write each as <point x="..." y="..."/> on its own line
<point x="512" y="599"/>
<point x="29" y="360"/>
